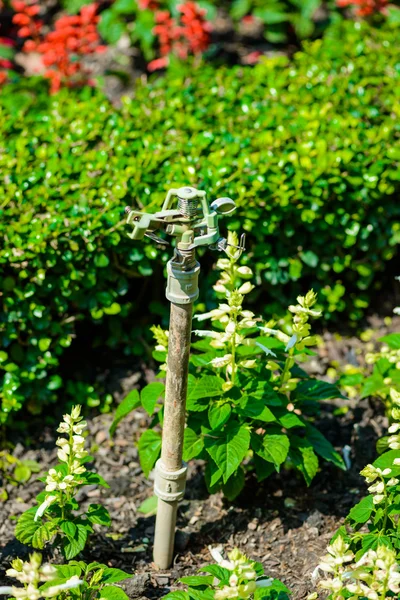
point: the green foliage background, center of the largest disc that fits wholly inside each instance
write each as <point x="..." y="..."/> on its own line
<point x="309" y="149"/>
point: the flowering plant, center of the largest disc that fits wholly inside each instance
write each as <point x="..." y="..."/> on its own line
<point x="250" y="405"/>
<point x="55" y="517"/>
<point x="363" y="558"/>
<point x="234" y="577"/>
<point x="39" y="580"/>
<point x="75" y="580"/>
<point x="379" y="376"/>
<point x="376" y="575"/>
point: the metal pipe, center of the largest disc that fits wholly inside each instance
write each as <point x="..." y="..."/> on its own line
<point x="170" y="473"/>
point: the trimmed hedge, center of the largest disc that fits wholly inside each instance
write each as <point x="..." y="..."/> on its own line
<point x="309" y="148"/>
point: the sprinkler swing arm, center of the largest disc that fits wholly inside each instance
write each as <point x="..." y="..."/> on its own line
<point x="184" y="222"/>
<point x="193" y="223"/>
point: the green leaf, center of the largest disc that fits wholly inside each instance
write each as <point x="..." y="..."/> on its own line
<point x="254" y="408"/>
<point x="149" y="506"/>
<point x="128" y="404"/>
<point x="69" y="528"/>
<point x="150" y="394"/>
<point x="234" y="485"/>
<point x="178" y="595"/>
<point x="263" y="468"/>
<point x="193" y="444"/>
<point x="201" y="390"/>
<point x="125" y="7"/>
<point x="385" y="461"/>
<point x="309" y="257"/>
<point x="382" y="444"/>
<point x="372" y="540"/>
<point x="287" y="419"/>
<point x="111" y="27"/>
<point x="101" y="260"/>
<point x="22" y="473"/>
<point x="97" y="513"/>
<point x="240" y="8"/>
<point x="197" y="580"/>
<point x="304" y="458"/>
<point x="228" y="448"/>
<point x="273" y="447"/>
<point x="112" y="592"/>
<point x="74" y="6"/>
<point x="149" y="450"/>
<point x="361" y="512"/>
<point x="27" y="526"/>
<point x="73" y="545"/>
<point x="213" y="476"/>
<point x="112" y="575"/>
<point x="323" y="447"/>
<point x="313" y="389"/>
<point x="6" y="52"/>
<point x="43" y="534"/>
<point x="218" y="414"/>
<point x="372" y="385"/>
<point x="392" y="340"/>
<point x="68" y="571"/>
<point x="263" y="390"/>
<point x="218" y="572"/>
<point x="275" y="591"/>
<point x="93" y="479"/>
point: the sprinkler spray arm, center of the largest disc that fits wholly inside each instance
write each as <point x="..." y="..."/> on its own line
<point x="193" y="223"/>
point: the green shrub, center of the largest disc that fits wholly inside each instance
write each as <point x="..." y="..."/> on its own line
<point x="308" y="148"/>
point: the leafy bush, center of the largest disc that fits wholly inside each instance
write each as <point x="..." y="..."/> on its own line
<point x="309" y="148"/>
<point x="250" y="404"/>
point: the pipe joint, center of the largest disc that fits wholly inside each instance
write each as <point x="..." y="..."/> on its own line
<point x="182" y="286"/>
<point x="170" y="485"/>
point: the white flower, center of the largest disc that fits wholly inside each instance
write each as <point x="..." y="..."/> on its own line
<point x="6" y="590"/>
<point x="246" y="288"/>
<point x="394" y="442"/>
<point x="72" y="583"/>
<point x="394" y="428"/>
<point x="378" y="498"/>
<point x="44" y="506"/>
<point x="221" y="361"/>
<point x="377" y="487"/>
<point x="244" y="271"/>
<point x="393" y="481"/>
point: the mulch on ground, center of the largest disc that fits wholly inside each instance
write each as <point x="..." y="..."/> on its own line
<point x="280" y="522"/>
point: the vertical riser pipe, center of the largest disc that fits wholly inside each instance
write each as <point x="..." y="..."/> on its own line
<point x="173" y="432"/>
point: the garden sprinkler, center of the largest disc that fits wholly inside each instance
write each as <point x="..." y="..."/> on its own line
<point x="194" y="223"/>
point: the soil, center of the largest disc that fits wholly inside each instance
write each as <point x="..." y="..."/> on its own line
<point x="281" y="522"/>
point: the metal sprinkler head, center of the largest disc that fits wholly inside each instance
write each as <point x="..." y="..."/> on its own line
<point x="192" y="221"/>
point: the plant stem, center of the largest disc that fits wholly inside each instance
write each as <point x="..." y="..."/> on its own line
<point x="386" y="508"/>
<point x="286" y="366"/>
<point x="233" y="351"/>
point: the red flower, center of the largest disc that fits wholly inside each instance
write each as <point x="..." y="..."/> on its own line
<point x="62" y="49"/>
<point x="158" y="63"/>
<point x="189" y="36"/>
<point x="364" y="8"/>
